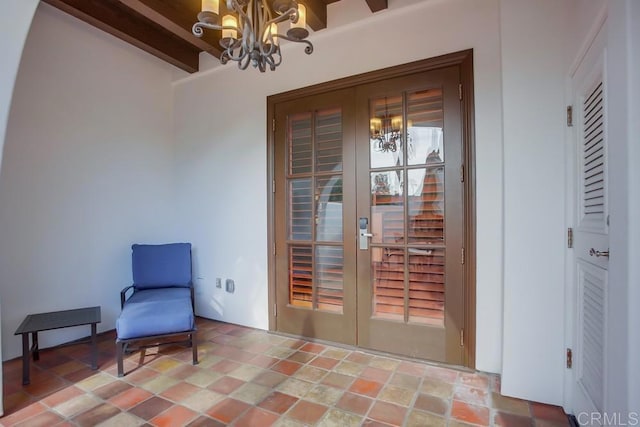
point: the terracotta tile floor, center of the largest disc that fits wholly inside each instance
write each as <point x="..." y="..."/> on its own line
<point x="248" y="377"/>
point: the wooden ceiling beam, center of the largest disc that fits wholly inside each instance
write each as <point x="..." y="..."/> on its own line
<point x="177" y="18"/>
<point x="109" y="16"/>
<point x="377" y="5"/>
<point x="316" y="14"/>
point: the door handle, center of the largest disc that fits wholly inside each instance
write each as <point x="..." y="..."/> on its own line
<point x="598" y="254"/>
<point x="364" y="239"/>
<point x="363" y="225"/>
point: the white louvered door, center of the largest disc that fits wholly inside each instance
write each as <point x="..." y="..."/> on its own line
<point x="591" y="233"/>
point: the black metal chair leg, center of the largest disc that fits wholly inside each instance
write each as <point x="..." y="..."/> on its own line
<point x="119" y="351"/>
<point x="194" y="348"/>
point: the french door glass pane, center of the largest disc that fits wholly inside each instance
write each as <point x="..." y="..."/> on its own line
<point x="329" y="267"/>
<point x="425" y="120"/>
<point x="426" y="286"/>
<point x="314" y="185"/>
<point x="388" y="282"/>
<point x="300" y="144"/>
<point x="426" y="205"/>
<point x="407" y="207"/>
<point x="300" y="276"/>
<point x="387" y="206"/>
<point x="329" y="209"/>
<point x="386" y="136"/>
<point x="300" y="209"/>
<point x="328" y="141"/>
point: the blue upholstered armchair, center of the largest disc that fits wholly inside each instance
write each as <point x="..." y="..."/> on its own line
<point x="161" y="304"/>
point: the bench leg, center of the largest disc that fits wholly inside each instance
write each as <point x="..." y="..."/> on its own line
<point x="94" y="347"/>
<point x="194" y="347"/>
<point x="119" y="351"/>
<point x="34" y="345"/>
<point x="25" y="359"/>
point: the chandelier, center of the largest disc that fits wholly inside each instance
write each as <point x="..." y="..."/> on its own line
<point x="386" y="131"/>
<point x="251" y="35"/>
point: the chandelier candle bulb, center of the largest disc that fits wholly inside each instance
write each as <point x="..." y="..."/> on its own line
<point x="302" y="17"/>
<point x="229" y="21"/>
<point x="211" y="6"/>
<point x="396" y="122"/>
<point x="376" y="126"/>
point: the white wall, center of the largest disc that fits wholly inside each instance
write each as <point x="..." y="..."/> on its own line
<point x="220" y="128"/>
<point x="533" y="84"/>
<point x="87" y="170"/>
<point x="632" y="16"/>
<point x="623" y="85"/>
<point x="541" y="42"/>
<point x="15" y="20"/>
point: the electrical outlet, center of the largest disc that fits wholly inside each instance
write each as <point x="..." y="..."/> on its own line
<point x="218" y="282"/>
<point x="230" y="285"/>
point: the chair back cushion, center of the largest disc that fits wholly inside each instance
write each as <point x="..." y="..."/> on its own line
<point x="161" y="266"/>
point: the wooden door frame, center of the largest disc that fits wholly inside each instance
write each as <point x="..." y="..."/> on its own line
<point x="462" y="59"/>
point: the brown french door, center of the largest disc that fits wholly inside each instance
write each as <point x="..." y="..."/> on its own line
<point x="409" y="209"/>
<point x="315" y="190"/>
<point x="368" y="216"/>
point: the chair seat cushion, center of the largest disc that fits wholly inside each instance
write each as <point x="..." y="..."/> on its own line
<point x="143" y="319"/>
<point x="161" y="294"/>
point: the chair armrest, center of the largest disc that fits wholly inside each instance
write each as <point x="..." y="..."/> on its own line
<point x="123" y="295"/>
<point x="193" y="304"/>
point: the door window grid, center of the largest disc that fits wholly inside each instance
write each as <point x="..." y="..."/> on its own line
<point x="315" y="210"/>
<point x="408" y="280"/>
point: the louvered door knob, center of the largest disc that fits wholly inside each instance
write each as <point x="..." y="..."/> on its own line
<point x="593" y="252"/>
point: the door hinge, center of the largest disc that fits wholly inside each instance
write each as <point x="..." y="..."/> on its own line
<point x="462" y="257"/>
<point x="273" y="186"/>
<point x="569" y="115"/>
<point x="461" y="337"/>
<point x="273" y="249"/>
<point x="460" y="91"/>
<point x="275" y="310"/>
<point x="461" y="173"/>
<point x="569" y="358"/>
<point x="570" y="237"/>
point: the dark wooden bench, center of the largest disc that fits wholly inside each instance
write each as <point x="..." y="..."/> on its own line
<point x="35" y="323"/>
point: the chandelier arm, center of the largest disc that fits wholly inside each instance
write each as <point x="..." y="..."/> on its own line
<point x="242" y="54"/>
<point x="244" y="61"/>
<point x="197" y="29"/>
<point x="269" y="60"/>
<point x="198" y="26"/>
<point x="224" y="57"/>
<point x="232" y="4"/>
<point x="281" y="18"/>
<point x="270" y="36"/>
<point x="279" y="60"/>
<point x="308" y="50"/>
<point x="267" y="52"/>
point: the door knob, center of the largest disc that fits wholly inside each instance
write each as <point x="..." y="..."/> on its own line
<point x="598" y="254"/>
